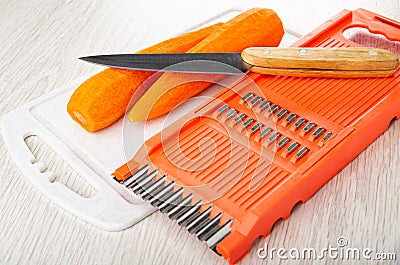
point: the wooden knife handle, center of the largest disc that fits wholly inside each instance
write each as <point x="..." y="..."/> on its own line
<point x="322" y="62"/>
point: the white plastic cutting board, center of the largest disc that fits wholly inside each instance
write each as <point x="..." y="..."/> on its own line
<point x="93" y="155"/>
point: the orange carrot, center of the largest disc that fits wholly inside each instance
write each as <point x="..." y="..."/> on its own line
<point x="102" y="99"/>
<point x="255" y="27"/>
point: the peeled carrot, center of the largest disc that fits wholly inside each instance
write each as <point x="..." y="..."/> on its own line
<point x="103" y="99"/>
<point x="255" y="27"/>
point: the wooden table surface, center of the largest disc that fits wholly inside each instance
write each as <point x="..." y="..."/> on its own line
<point x="40" y="41"/>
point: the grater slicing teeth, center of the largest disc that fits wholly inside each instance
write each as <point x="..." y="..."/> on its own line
<point x="160" y="193"/>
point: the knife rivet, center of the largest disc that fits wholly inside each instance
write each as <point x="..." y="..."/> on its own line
<point x="373" y="53"/>
<point x="303" y="51"/>
<point x="267" y="51"/>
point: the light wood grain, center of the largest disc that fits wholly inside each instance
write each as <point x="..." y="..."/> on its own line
<point x="351" y="58"/>
<point x="40" y="41"/>
<point x="321" y="62"/>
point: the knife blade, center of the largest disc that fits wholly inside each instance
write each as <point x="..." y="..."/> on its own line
<point x="303" y="62"/>
<point x="216" y="63"/>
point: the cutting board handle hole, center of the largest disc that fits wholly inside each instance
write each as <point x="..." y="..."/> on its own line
<point x="50" y="162"/>
<point x="366" y="38"/>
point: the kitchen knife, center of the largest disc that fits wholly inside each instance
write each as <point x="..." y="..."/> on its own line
<point x="301" y="62"/>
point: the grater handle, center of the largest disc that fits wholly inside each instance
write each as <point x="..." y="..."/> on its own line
<point x="376" y="24"/>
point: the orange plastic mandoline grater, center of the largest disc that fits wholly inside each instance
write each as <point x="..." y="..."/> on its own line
<point x="234" y="166"/>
